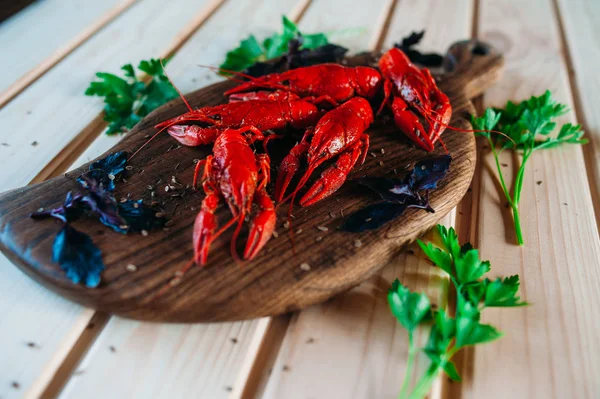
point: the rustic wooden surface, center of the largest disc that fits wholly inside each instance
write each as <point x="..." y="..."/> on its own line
<point x="273" y="283"/>
<point x="50" y="342"/>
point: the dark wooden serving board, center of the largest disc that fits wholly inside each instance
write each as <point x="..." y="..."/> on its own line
<point x="273" y="283"/>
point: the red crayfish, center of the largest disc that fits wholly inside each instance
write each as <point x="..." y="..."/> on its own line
<point x="340" y="132"/>
<point x="415" y="88"/>
<point x="332" y="83"/>
<point x="261" y="115"/>
<point x="239" y="176"/>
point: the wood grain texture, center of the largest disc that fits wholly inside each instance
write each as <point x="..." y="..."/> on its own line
<point x="351" y="346"/>
<point x="271" y="284"/>
<point x="37" y="39"/>
<point x="31" y="313"/>
<point x="163" y="361"/>
<point x="549" y="349"/>
<point x="579" y="20"/>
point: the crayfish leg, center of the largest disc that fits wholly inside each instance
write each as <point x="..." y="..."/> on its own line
<point x="288" y="168"/>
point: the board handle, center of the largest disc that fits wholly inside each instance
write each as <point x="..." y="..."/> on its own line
<point x="472" y="66"/>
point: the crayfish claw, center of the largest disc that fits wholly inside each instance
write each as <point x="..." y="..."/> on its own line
<point x="332" y="178"/>
<point x="262" y="226"/>
<point x="193" y="135"/>
<point x="204" y="228"/>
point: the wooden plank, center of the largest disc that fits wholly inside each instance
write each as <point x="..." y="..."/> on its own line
<point x="351" y="346"/>
<point x="143" y="360"/>
<point x="550" y="348"/>
<point x="582" y="33"/>
<point x="38" y="38"/>
<point x="30" y="313"/>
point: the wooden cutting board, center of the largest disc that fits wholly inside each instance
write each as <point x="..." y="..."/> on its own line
<point x="274" y="282"/>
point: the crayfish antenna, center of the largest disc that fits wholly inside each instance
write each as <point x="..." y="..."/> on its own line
<point x="176" y="279"/>
<point x="450" y="127"/>
<point x="163" y="129"/>
<point x="176" y="88"/>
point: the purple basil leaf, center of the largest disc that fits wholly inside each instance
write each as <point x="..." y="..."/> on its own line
<point x="92" y="179"/>
<point x="104" y="205"/>
<point x="112" y="164"/>
<point x="103" y="172"/>
<point x="296" y="58"/>
<point x="372" y="217"/>
<point x="390" y="190"/>
<point x="424" y="59"/>
<point x="411" y="40"/>
<point x="427" y="173"/>
<point x="68" y="211"/>
<point x="77" y="255"/>
<point x="139" y="216"/>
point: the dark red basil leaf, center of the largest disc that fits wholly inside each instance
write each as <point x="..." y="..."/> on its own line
<point x="372" y="217"/>
<point x="390" y="190"/>
<point x="68" y="211"/>
<point x="296" y="58"/>
<point x="77" y="255"/>
<point x="139" y="216"/>
<point x="427" y="173"/>
<point x="425" y="59"/>
<point x="103" y="204"/>
<point x="103" y="172"/>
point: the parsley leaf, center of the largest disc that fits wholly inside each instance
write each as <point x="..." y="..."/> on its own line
<point x="503" y="292"/>
<point x="127" y="100"/>
<point x="474" y="293"/>
<point x="526" y="127"/>
<point x="410" y="308"/>
<point x="250" y="51"/>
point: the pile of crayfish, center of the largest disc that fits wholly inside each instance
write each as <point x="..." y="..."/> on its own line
<point x="331" y="104"/>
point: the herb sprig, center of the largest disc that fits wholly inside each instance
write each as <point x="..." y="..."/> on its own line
<point x="527" y="126"/>
<point x="250" y="51"/>
<point x="127" y="100"/>
<point x="450" y="334"/>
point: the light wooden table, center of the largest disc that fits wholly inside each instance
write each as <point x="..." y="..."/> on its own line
<point x="349" y="347"/>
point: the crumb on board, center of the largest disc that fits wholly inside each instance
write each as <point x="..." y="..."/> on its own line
<point x="305" y="267"/>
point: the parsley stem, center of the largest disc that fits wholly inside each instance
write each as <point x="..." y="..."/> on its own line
<point x="424" y="384"/>
<point x="499" y="168"/>
<point x="409" y="365"/>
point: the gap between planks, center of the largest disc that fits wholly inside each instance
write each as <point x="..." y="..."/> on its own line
<point x="34" y="74"/>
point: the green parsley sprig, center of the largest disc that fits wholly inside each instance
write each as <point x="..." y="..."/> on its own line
<point x="527" y="126"/>
<point x="449" y="334"/>
<point x="250" y="51"/>
<point x="127" y="100"/>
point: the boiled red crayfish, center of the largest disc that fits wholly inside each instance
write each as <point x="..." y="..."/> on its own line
<point x="340" y="132"/>
<point x="332" y="83"/>
<point x="260" y="115"/>
<point x="239" y="176"/>
<point x="407" y="87"/>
